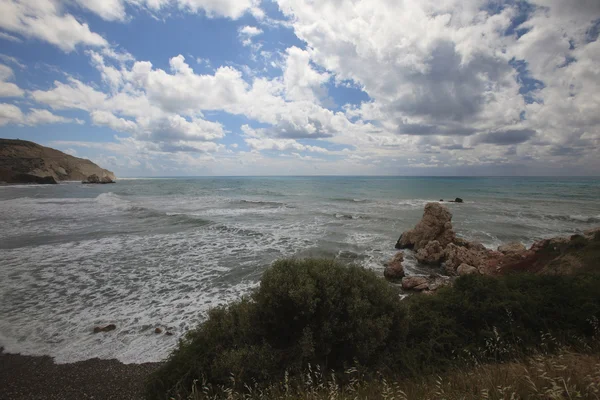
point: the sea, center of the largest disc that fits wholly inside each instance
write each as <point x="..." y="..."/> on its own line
<point x="148" y="253"/>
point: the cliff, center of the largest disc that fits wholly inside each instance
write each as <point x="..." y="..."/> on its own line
<point x="27" y="162"/>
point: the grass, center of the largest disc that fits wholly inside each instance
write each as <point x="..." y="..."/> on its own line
<point x="564" y="375"/>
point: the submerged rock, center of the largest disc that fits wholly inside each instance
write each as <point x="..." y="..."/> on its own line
<point x="436" y="224"/>
<point x="393" y="268"/>
<point x="107" y="328"/>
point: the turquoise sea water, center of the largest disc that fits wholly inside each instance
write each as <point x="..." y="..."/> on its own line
<point x="160" y="252"/>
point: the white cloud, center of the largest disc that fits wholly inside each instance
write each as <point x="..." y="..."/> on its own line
<point x="246" y="33"/>
<point x="11" y="114"/>
<point x="10" y="38"/>
<point x="45" y="20"/>
<point x="8" y="89"/>
<point x="302" y="81"/>
<point x="110" y="10"/>
<point x="115" y="10"/>
<point x="43" y="117"/>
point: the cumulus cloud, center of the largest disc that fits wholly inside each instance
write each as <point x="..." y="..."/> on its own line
<point x="115" y="10"/>
<point x="246" y="33"/>
<point x="8" y="89"/>
<point x="11" y="114"/>
<point x="45" y="20"/>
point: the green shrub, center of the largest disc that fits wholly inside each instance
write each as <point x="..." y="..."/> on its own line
<point x="305" y="312"/>
<point x="319" y="313"/>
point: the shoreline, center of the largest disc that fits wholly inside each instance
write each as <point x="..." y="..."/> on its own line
<point x="39" y="377"/>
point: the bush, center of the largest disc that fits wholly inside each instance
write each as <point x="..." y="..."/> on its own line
<point x="305" y="312"/>
<point x="319" y="313"/>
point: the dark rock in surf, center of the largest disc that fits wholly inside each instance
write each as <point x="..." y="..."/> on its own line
<point x="158" y="331"/>
<point x="458" y="200"/>
<point x="394" y="270"/>
<point x="107" y="328"/>
<point x="169" y="333"/>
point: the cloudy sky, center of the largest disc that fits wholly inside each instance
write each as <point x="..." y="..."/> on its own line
<point x="307" y="87"/>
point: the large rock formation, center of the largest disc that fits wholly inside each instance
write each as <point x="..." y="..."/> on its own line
<point x="27" y="162"/>
<point x="436" y="224"/>
<point x="435" y="243"/>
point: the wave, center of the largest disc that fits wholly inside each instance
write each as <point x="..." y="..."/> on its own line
<point x="351" y="200"/>
<point x="259" y="203"/>
<point x="563" y="217"/>
<point x="349" y="216"/>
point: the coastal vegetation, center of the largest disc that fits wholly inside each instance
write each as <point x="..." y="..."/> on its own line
<point x="318" y="329"/>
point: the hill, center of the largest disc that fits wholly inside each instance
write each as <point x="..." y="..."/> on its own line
<point x="22" y="161"/>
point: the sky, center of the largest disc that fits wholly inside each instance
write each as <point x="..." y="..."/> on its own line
<point x="306" y="87"/>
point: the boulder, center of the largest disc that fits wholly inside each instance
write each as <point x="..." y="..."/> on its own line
<point x="92" y="179"/>
<point x="158" y="331"/>
<point x="465" y="269"/>
<point x="511" y="248"/>
<point x="433" y="253"/>
<point x="393" y="268"/>
<point x="458" y="200"/>
<point x="412" y="282"/>
<point x="436" y="224"/>
<point x="107" y="328"/>
<point x="95" y="179"/>
<point x="457" y="255"/>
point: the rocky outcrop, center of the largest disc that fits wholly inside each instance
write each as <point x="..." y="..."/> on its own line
<point x="27" y="162"/>
<point x="95" y="179"/>
<point x="436" y="224"/>
<point x="393" y="268"/>
<point x="435" y="243"/>
<point x="433" y="253"/>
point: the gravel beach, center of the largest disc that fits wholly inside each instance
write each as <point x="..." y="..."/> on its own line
<point x="26" y="377"/>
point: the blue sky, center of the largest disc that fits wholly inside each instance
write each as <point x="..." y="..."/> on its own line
<point x="251" y="87"/>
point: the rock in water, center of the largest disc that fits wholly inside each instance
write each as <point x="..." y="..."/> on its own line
<point x="95" y="179"/>
<point x="158" y="331"/>
<point x="393" y="268"/>
<point x="436" y="224"/>
<point x="27" y="162"/>
<point x="107" y="328"/>
<point x="458" y="200"/>
<point x="92" y="179"/>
